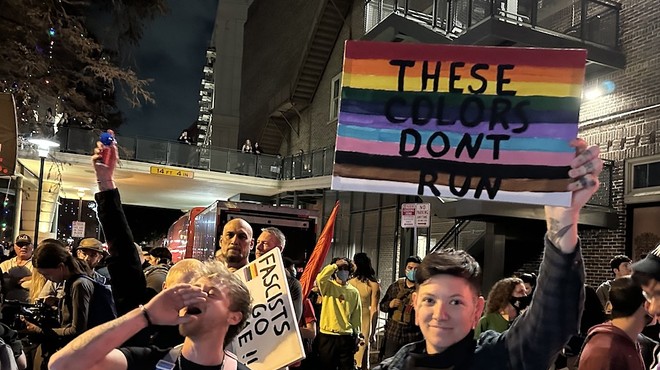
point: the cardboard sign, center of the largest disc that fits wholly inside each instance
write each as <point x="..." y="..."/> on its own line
<point x="271" y="339"/>
<point x="489" y="123"/>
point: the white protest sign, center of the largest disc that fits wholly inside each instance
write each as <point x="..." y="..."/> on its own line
<point x="271" y="338"/>
<point x="78" y="229"/>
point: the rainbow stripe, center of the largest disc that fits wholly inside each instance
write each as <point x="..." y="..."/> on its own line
<point x="250" y="272"/>
<point x="520" y="139"/>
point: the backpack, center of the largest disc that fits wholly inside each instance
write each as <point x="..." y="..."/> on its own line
<point x="168" y="362"/>
<point x="101" y="305"/>
<point x="7" y="360"/>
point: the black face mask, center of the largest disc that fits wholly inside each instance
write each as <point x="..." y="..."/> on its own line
<point x="520" y="303"/>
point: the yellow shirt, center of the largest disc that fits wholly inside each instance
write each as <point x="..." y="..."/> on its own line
<point x="341" y="311"/>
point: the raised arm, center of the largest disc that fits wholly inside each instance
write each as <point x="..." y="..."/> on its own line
<point x="323" y="278"/>
<point x="127" y="279"/>
<point x="562" y="222"/>
<point x="537" y="335"/>
<point x="96" y="349"/>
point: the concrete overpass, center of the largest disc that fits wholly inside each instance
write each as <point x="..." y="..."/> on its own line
<point x="157" y="182"/>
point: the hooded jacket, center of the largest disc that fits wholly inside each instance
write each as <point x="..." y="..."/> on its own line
<point x="610" y="348"/>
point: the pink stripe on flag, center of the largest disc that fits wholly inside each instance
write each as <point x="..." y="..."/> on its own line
<point x="347" y="144"/>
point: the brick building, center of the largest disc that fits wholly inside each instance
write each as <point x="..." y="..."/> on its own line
<point x="291" y="55"/>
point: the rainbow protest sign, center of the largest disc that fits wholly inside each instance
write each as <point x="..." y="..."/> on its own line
<point x="488" y="123"/>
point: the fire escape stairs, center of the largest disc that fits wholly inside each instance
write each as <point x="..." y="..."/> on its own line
<point x="285" y="115"/>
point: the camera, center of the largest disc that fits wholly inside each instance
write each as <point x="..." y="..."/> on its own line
<point x="40" y="314"/>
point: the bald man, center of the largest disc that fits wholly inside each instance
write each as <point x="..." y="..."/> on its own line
<point x="235" y="244"/>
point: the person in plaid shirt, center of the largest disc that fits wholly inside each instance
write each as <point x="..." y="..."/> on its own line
<point x="448" y="303"/>
<point x="400" y="327"/>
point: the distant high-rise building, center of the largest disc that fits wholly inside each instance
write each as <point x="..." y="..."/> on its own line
<point x="206" y="99"/>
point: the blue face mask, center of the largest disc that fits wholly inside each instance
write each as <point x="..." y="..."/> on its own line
<point x="410" y="275"/>
<point x="343" y="275"/>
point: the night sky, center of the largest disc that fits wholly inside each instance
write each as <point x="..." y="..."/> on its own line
<point x="172" y="52"/>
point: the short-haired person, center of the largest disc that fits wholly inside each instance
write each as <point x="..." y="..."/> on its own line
<point x="235" y="244"/>
<point x="184" y="271"/>
<point x="209" y="313"/>
<point x="91" y="251"/>
<point x="448" y="303"/>
<point x="160" y="259"/>
<point x="620" y="266"/>
<point x="341" y="316"/>
<point x="529" y="280"/>
<point x="17" y="271"/>
<point x="400" y="327"/>
<point x="614" y="344"/>
<point x="272" y="237"/>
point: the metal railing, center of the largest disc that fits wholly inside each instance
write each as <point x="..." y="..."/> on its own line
<point x="596" y="21"/>
<point x="173" y="153"/>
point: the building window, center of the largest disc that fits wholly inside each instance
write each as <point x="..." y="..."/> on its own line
<point x="646" y="175"/>
<point x="335" y="97"/>
<point x="642" y="179"/>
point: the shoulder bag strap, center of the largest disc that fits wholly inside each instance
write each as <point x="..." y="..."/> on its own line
<point x="169" y="361"/>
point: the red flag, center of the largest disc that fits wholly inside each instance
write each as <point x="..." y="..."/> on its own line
<point x="321" y="249"/>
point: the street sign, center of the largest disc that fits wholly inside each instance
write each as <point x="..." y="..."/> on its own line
<point x="408" y="215"/>
<point x="423" y="215"/>
<point x="415" y="215"/>
<point x="78" y="229"/>
<point x="171" y="172"/>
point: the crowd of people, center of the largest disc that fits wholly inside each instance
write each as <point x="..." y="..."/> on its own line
<point x="114" y="306"/>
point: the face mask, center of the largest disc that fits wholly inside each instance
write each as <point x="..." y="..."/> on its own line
<point x="410" y="275"/>
<point x="520" y="303"/>
<point x="343" y="275"/>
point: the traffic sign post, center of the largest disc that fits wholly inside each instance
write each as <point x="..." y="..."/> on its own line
<point x="414" y="215"/>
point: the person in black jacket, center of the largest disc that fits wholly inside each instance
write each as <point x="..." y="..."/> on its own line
<point x="129" y="285"/>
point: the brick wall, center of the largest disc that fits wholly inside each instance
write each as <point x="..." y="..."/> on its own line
<point x="622" y="133"/>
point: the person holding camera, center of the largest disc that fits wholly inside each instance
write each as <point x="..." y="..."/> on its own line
<point x="53" y="261"/>
<point x="341" y="316"/>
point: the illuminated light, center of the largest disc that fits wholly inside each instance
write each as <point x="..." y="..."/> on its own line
<point x="51" y="32"/>
<point x="593" y="93"/>
<point x="604" y="88"/>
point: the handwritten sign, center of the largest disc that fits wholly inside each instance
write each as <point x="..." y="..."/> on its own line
<point x="78" y="229"/>
<point x="271" y="339"/>
<point x="171" y="172"/>
<point x="491" y="123"/>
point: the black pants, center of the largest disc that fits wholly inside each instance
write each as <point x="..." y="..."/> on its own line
<point x="336" y="352"/>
